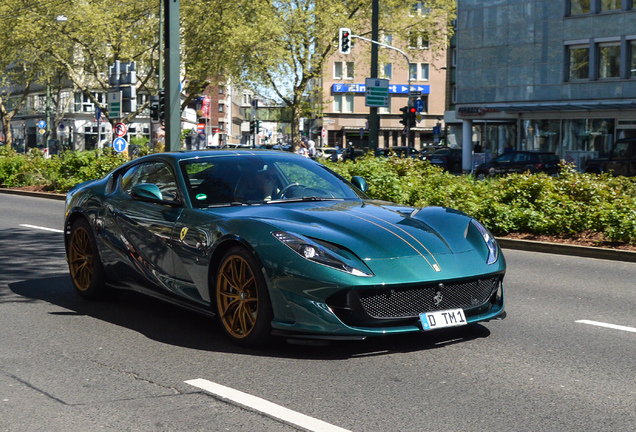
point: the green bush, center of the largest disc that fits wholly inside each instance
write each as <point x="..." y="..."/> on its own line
<point x="570" y="204"/>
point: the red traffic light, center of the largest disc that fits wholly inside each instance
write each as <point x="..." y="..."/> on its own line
<point x="412" y="110"/>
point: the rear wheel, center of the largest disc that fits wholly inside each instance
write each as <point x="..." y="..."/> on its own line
<point x="242" y="300"/>
<point x="84" y="263"/>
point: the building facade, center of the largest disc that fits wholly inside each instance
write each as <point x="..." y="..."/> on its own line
<point x="547" y="75"/>
<point x="345" y="113"/>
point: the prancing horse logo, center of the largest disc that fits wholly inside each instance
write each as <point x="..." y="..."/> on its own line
<point x="438" y="298"/>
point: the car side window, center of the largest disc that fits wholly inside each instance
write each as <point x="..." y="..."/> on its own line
<point x="156" y="173"/>
<point x="520" y="157"/>
<point x="506" y="157"/>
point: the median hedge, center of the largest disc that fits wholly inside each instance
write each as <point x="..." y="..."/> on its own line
<point x="570" y="204"/>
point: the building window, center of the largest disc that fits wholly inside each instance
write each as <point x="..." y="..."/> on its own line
<point x="343" y="70"/>
<point x="609" y="61"/>
<point x="424" y="71"/>
<point x="454" y="57"/>
<point x="385" y="110"/>
<point x="386" y="38"/>
<point x="419" y="71"/>
<point x="610" y="5"/>
<point x="387" y="71"/>
<point x="221" y="90"/>
<point x="418" y="39"/>
<point x="579" y="62"/>
<point x="418" y="8"/>
<point x="578" y="7"/>
<point x="454" y="94"/>
<point x="221" y="109"/>
<point x="343" y="103"/>
<point x="413" y="71"/>
<point x="632" y="63"/>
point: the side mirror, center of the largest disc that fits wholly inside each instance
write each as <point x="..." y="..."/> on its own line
<point x="360" y="183"/>
<point x="147" y="192"/>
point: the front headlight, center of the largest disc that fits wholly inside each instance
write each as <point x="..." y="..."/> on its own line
<point x="320" y="254"/>
<point x="491" y="243"/>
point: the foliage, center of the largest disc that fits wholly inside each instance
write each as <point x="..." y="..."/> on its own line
<point x="572" y="203"/>
<point x="59" y="173"/>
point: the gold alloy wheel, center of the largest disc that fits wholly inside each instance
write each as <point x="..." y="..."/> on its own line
<point x="237" y="297"/>
<point x="81" y="259"/>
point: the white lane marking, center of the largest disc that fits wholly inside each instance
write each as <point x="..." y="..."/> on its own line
<point x="612" y="326"/>
<point x="41" y="228"/>
<point x="268" y="408"/>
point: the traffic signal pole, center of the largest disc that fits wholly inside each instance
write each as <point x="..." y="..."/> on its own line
<point x="408" y="69"/>
<point x="374" y="118"/>
<point x="172" y="76"/>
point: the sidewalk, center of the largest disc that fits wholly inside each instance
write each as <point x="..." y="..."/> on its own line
<point x="525" y="245"/>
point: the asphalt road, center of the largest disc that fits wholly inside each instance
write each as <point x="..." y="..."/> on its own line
<point x="128" y="363"/>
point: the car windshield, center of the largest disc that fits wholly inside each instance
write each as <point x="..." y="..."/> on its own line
<point x="442" y="152"/>
<point x="261" y="179"/>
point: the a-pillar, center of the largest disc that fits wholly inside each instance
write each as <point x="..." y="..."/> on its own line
<point x="467" y="145"/>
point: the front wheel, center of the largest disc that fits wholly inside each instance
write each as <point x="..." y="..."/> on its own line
<point x="242" y="300"/>
<point x="84" y="263"/>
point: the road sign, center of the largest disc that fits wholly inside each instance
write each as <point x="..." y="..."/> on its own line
<point x="120" y="145"/>
<point x="42" y="131"/>
<point x="419" y="117"/>
<point x="41" y="124"/>
<point x="419" y="105"/>
<point x="376" y="92"/>
<point x="120" y="129"/>
<point x="114" y="104"/>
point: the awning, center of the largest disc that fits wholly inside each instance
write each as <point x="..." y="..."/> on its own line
<point x="567" y="106"/>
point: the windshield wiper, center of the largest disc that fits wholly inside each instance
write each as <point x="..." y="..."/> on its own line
<point x="302" y="199"/>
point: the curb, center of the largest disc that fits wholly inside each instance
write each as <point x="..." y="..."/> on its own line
<point x="49" y="195"/>
<point x="571" y="250"/>
<point x="505" y="243"/>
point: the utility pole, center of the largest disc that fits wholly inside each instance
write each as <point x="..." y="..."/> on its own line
<point x="172" y="76"/>
<point x="374" y="119"/>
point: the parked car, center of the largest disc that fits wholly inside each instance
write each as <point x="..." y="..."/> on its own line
<point x="448" y="158"/>
<point x="274" y="243"/>
<point x="519" y="162"/>
<point x="620" y="161"/>
<point x="399" y="151"/>
<point x="426" y="152"/>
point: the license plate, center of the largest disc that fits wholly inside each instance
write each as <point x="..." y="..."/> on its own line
<point x="441" y="319"/>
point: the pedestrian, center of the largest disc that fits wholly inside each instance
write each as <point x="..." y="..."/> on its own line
<point x="334" y="155"/>
<point x="302" y="149"/>
<point x="311" y="151"/>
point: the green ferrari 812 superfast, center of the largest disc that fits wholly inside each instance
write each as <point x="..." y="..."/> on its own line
<point x="276" y="244"/>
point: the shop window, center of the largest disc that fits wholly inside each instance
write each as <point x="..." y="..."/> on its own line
<point x="579" y="62"/>
<point x="609" y="61"/>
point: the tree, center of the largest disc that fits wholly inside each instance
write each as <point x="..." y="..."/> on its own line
<point x="293" y="38"/>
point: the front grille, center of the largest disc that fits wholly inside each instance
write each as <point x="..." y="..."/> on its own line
<point x="391" y="303"/>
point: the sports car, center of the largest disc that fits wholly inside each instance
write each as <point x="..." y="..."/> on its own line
<point x="276" y="244"/>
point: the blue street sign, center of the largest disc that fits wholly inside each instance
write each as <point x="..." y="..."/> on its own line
<point x="98" y="113"/>
<point x="41" y="124"/>
<point x="120" y="144"/>
<point x="393" y="88"/>
<point x="419" y="105"/>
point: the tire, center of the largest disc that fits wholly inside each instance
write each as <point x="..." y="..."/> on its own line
<point x="243" y="305"/>
<point x="85" y="266"/>
<point x="480" y="176"/>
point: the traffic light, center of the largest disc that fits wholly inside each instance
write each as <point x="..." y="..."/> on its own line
<point x="405" y="115"/>
<point x="344" y="41"/>
<point x="412" y="114"/>
<point x="258" y="126"/>
<point x="162" y="105"/>
<point x="154" y="109"/>
<point x="252" y="127"/>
